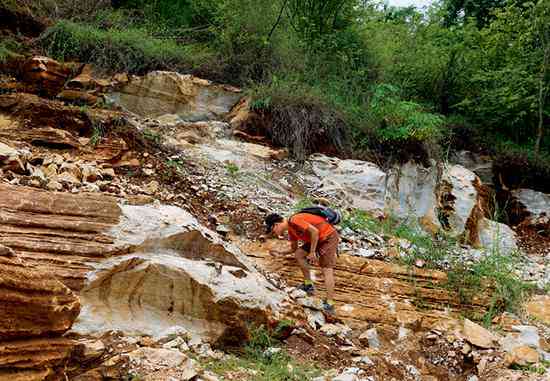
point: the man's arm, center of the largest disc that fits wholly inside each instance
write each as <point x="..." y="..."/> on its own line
<point x="314" y="236"/>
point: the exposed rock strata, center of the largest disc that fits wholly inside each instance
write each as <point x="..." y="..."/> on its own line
<point x="372" y="291"/>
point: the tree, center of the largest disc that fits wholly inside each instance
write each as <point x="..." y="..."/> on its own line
<point x="315" y="18"/>
<point x="542" y="29"/>
<point x="480" y="10"/>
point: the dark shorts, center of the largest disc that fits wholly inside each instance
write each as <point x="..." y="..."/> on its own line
<point x="327" y="250"/>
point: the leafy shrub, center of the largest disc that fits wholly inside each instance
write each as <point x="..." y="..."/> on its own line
<point x="398" y="120"/>
<point x="493" y="274"/>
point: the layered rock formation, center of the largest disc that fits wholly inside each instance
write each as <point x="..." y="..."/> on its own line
<point x="140" y="269"/>
<point x="36" y="310"/>
<point x="372" y="291"/>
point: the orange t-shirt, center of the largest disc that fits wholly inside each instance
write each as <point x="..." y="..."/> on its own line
<point x="298" y="224"/>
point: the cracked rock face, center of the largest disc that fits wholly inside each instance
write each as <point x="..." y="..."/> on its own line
<point x="139" y="269"/>
<point x="190" y="98"/>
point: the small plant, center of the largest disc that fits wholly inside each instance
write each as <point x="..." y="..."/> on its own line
<point x="152" y="136"/>
<point x="231" y="168"/>
<point x="176" y="164"/>
<point x="8" y="48"/>
<point x="97" y="134"/>
<point x="302" y="203"/>
<point x="261" y="104"/>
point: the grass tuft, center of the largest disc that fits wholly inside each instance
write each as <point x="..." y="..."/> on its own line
<point x="132" y="50"/>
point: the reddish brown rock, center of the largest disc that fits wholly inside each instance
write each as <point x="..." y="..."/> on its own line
<point x="46" y="75"/>
<point x="36" y="310"/>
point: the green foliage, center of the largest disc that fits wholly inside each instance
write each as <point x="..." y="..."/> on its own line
<point x="301" y="204"/>
<point x="97" y="134"/>
<point x="260" y="366"/>
<point x="344" y="74"/>
<point x="151" y="135"/>
<point x="132" y="50"/>
<point x="398" y="120"/>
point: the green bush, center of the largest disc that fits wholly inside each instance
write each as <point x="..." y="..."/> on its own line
<point x="8" y="49"/>
<point x="131" y="50"/>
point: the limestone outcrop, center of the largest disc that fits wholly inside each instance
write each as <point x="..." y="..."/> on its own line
<point x="138" y="268"/>
<point x="36" y="310"/>
<point x="190" y="98"/>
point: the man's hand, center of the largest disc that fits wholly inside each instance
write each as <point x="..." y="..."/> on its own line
<point x="312" y="259"/>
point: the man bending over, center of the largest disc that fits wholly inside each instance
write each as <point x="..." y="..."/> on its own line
<point x="320" y="247"/>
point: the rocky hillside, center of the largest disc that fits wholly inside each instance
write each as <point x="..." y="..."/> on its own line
<point x="131" y="246"/>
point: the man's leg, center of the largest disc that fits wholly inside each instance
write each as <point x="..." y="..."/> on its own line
<point x="328" y="276"/>
<point x="328" y="252"/>
<point x="304" y="266"/>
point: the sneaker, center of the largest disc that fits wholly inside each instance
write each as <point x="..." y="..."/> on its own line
<point x="328" y="309"/>
<point x="308" y="288"/>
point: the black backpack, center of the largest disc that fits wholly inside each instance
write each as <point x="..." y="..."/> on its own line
<point x="332" y="216"/>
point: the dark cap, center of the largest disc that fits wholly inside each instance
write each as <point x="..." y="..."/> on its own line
<point x="271" y="220"/>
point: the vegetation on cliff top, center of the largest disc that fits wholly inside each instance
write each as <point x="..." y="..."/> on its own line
<point x="370" y="76"/>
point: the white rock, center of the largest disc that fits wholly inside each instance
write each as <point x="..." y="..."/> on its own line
<point x="296" y="293"/>
<point x="335" y="330"/>
<point x="157" y="357"/>
<point x="365" y="360"/>
<point x="315" y="319"/>
<point x="269" y="352"/>
<point x="411" y="192"/>
<point x="403" y="333"/>
<point x="181" y="96"/>
<point x="371" y="336"/>
<point x="173" y="333"/>
<point x="361" y="182"/>
<point x="528" y="335"/>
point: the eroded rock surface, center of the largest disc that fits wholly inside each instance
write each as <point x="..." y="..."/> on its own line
<point x="140" y="269"/>
<point x="359" y="183"/>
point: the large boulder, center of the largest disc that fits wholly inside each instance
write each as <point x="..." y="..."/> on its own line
<point x="191" y="98"/>
<point x="138" y="268"/>
<point x="360" y="184"/>
<point x="36" y="310"/>
<point x="448" y="197"/>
